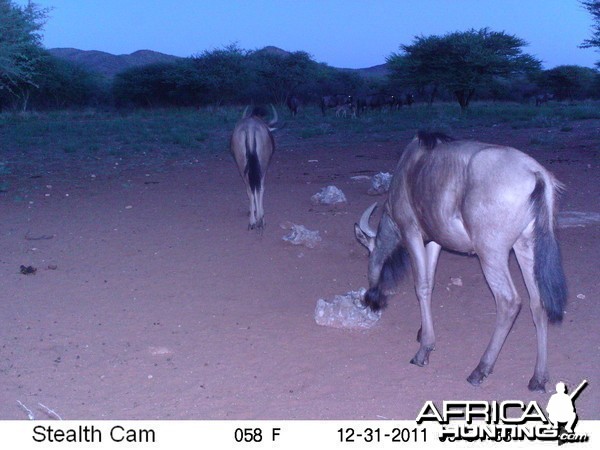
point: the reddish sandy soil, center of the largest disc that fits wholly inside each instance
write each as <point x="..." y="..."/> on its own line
<point x="151" y="300"/>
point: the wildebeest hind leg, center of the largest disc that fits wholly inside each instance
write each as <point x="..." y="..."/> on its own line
<point x="252" y="199"/>
<point x="524" y="252"/>
<point x="508" y="305"/>
<point x="260" y="213"/>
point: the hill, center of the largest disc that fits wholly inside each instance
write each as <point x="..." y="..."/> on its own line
<point x="379" y="71"/>
<point x="108" y="64"/>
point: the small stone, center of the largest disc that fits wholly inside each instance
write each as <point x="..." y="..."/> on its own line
<point x="456" y="281"/>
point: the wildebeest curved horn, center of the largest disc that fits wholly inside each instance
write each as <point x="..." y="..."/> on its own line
<point x="245" y="114"/>
<point x="364" y="221"/>
<point x="275" y="118"/>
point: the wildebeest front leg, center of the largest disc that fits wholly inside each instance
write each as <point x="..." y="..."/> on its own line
<point x="424" y="261"/>
<point x="433" y="252"/>
<point x="508" y="305"/>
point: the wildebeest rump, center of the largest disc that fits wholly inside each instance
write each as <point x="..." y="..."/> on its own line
<point x="473" y="198"/>
<point x="252" y="146"/>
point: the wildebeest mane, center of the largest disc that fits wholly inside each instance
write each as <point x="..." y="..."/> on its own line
<point x="393" y="270"/>
<point x="430" y="139"/>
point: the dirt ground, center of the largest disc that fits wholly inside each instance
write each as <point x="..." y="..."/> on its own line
<point x="152" y="300"/>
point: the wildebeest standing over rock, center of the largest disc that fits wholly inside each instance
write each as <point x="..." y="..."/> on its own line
<point x="476" y="198"/>
<point x="252" y="146"/>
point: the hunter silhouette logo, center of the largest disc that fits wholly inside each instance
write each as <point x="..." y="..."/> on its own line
<point x="509" y="420"/>
<point x="561" y="410"/>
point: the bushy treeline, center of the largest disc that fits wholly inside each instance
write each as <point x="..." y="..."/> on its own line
<point x="230" y="76"/>
<point x="475" y="64"/>
<point x="225" y="76"/>
<point x="235" y="76"/>
<point x="484" y="64"/>
<point x="57" y="84"/>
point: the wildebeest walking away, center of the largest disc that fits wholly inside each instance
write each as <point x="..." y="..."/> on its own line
<point x="293" y="103"/>
<point x="252" y="145"/>
<point x="476" y="198"/>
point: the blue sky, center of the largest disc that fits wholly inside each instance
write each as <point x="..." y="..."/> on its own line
<point x="341" y="33"/>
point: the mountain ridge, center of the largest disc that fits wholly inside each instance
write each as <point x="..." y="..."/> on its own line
<point x="108" y="64"/>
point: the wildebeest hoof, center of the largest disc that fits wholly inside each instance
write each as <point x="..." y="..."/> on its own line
<point x="422" y="357"/>
<point x="477" y="376"/>
<point x="259" y="226"/>
<point x="417" y="362"/>
<point x="536" y="385"/>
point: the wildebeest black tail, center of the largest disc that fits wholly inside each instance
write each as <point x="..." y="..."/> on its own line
<point x="547" y="265"/>
<point x="392" y="271"/>
<point x="252" y="164"/>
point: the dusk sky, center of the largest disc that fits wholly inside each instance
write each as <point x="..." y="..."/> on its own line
<point x="341" y="33"/>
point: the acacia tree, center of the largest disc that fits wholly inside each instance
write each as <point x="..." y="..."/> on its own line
<point x="569" y="82"/>
<point x="593" y="6"/>
<point x="149" y="85"/>
<point x="222" y="75"/>
<point x="281" y="75"/>
<point x="20" y="48"/>
<point x="460" y="62"/>
<point x="62" y="84"/>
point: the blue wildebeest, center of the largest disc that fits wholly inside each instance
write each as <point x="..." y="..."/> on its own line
<point x="346" y="109"/>
<point x="473" y="198"/>
<point x="409" y="99"/>
<point x="252" y="146"/>
<point x="543" y="98"/>
<point x="333" y="101"/>
<point x="375" y="101"/>
<point x="293" y="103"/>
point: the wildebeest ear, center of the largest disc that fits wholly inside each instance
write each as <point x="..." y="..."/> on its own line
<point x="364" y="238"/>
